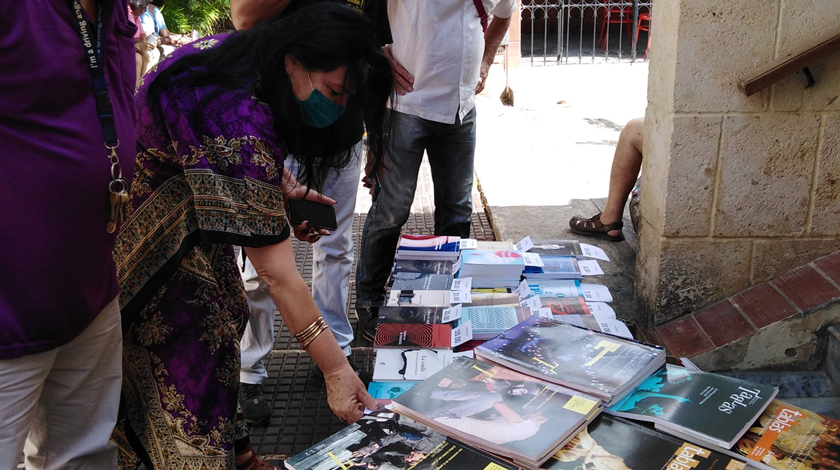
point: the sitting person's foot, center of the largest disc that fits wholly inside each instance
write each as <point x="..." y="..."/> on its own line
<point x="367" y="317"/>
<point x="365" y="377"/>
<point x="254" y="405"/>
<point x="594" y="227"/>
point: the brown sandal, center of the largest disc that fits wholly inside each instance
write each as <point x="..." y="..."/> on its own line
<point x="593" y="227"/>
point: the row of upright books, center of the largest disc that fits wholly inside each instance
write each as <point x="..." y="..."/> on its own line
<point x="436" y="312"/>
<point x="549" y="394"/>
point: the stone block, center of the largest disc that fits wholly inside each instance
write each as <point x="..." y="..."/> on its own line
<point x="659" y="130"/>
<point x="694" y="273"/>
<point x="774" y="257"/>
<point x="826" y="211"/>
<point x="767" y="165"/>
<point x="719" y="42"/>
<point x="801" y="24"/>
<point x="663" y="56"/>
<point x="647" y="274"/>
<point x="790" y="93"/>
<point x="691" y="176"/>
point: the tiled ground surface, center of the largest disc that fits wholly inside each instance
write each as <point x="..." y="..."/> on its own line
<point x="301" y="416"/>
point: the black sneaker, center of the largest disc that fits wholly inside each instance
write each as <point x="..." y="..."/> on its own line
<point x="254" y="406"/>
<point x="367" y="317"/>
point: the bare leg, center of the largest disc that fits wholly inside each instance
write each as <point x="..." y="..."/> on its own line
<point x="625" y="170"/>
<point x="627" y="162"/>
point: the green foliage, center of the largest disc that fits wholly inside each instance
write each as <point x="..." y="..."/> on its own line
<point x="205" y="16"/>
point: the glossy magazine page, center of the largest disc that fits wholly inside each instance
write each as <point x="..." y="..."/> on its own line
<point x="572" y="356"/>
<point x="499" y="410"/>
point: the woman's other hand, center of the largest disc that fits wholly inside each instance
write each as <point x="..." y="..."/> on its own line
<point x="346" y="394"/>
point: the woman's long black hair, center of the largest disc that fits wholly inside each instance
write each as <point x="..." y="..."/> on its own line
<point x="322" y="37"/>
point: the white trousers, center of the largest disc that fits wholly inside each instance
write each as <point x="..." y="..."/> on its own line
<point x="332" y="263"/>
<point x="59" y="407"/>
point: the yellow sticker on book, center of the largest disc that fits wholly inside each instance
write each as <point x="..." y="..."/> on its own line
<point x="494" y="466"/>
<point x="580" y="405"/>
<point x="605" y="347"/>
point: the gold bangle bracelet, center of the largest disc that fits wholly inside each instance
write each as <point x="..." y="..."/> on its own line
<point x="312" y="331"/>
<point x="305" y="344"/>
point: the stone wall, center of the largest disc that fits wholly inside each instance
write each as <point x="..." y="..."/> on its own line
<point x="735" y="189"/>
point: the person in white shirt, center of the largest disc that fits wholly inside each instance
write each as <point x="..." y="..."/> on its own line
<point x="441" y="54"/>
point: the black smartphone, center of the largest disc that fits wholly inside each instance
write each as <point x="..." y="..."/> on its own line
<point x="318" y="215"/>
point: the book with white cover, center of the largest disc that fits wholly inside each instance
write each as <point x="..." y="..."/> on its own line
<point x="419" y="298"/>
<point x="409" y="364"/>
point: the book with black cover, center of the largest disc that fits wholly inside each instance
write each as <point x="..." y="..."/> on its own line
<point x="421" y="281"/>
<point x="704" y="407"/>
<point x="385" y="439"/>
<point x="499" y="410"/>
<point x="423" y="266"/>
<point x="787" y="437"/>
<point x="413" y="335"/>
<point x="410" y="314"/>
<point x="593" y="362"/>
<point x="611" y="443"/>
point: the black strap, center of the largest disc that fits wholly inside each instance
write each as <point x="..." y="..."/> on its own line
<point x="482" y="14"/>
<point x="96" y="65"/>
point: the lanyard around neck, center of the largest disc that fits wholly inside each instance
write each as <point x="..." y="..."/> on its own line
<point x="93" y="48"/>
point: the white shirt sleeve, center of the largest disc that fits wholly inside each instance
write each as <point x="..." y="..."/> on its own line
<point x="504" y="9"/>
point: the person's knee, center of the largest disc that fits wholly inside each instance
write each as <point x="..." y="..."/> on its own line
<point x="634" y="133"/>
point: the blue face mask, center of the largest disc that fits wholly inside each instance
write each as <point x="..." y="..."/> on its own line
<point x="319" y="111"/>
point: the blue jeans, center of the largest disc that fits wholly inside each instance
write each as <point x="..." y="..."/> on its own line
<point x="451" y="151"/>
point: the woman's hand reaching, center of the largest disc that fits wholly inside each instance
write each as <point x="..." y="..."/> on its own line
<point x="346" y="394"/>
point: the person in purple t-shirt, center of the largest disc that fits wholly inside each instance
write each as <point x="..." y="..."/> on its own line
<point x="60" y="334"/>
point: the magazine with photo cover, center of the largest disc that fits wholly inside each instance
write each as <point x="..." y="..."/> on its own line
<point x="707" y="408"/>
<point x="423" y="266"/>
<point x="387" y="440"/>
<point x="597" y="363"/>
<point x="413" y="335"/>
<point x="499" y="410"/>
<point x="611" y="443"/>
<point x="421" y="281"/>
<point x="411" y="314"/>
<point x="788" y="437"/>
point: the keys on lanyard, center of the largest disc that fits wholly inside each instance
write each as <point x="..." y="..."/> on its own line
<point x="118" y="187"/>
